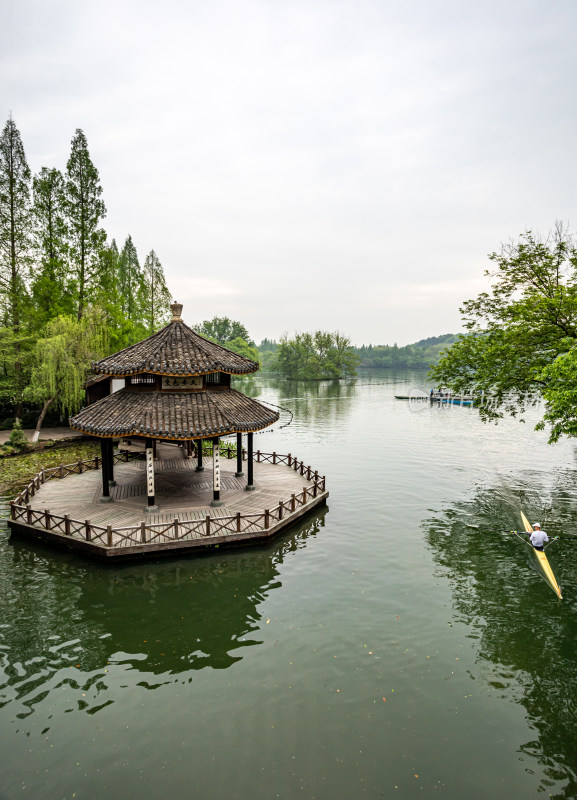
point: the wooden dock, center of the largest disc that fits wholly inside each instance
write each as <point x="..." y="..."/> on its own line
<point x="63" y="505"/>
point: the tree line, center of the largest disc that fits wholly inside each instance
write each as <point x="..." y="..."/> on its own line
<point x="67" y="295"/>
<point x="420" y="355"/>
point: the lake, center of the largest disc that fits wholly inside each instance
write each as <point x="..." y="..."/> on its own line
<point x="396" y="644"/>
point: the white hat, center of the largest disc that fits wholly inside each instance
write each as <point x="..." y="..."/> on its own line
<point x="536" y="525"/>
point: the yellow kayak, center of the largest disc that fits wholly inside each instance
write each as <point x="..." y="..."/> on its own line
<point x="542" y="560"/>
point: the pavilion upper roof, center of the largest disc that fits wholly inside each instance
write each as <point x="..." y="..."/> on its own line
<point x="175" y="350"/>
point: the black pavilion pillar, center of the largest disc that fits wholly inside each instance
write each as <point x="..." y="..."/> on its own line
<point x="106" y="498"/>
<point x="111" y="481"/>
<point x="216" y="501"/>
<point x="199" y="467"/>
<point x="249" y="474"/>
<point x="239" y="473"/>
<point x="151" y="506"/>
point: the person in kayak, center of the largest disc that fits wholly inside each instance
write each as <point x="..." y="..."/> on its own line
<point x="538" y="537"/>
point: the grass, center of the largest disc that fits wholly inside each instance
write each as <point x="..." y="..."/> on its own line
<point x="17" y="471"/>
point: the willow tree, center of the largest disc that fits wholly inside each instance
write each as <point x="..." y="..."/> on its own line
<point x="62" y="363"/>
<point x="84" y="210"/>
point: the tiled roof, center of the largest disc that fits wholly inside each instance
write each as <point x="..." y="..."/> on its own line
<point x="175" y="350"/>
<point x="173" y="415"/>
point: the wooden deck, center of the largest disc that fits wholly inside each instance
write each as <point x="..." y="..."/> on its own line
<point x="69" y="511"/>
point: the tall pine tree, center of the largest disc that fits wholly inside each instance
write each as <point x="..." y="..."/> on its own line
<point x="84" y="210"/>
<point x="130" y="282"/>
<point x="155" y="295"/>
<point x="51" y="291"/>
<point x="15" y="249"/>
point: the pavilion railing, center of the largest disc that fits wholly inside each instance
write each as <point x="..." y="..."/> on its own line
<point x="160" y="533"/>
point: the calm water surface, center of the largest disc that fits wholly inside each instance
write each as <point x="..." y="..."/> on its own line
<point x="394" y="645"/>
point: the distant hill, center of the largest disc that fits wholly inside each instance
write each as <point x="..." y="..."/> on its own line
<point x="420" y="355"/>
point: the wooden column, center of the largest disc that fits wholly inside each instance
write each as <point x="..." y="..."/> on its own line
<point x="199" y="467"/>
<point x="216" y="501"/>
<point x="106" y="498"/>
<point x="111" y="480"/>
<point x="151" y="506"/>
<point x="249" y="473"/>
<point x="239" y="473"/>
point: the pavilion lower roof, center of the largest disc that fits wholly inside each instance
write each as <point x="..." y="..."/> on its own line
<point x="173" y="415"/>
<point x="175" y="350"/>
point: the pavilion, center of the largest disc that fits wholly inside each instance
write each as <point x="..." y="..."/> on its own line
<point x="174" y="386"/>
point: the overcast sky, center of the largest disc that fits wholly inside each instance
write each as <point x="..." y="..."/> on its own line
<point x="314" y="163"/>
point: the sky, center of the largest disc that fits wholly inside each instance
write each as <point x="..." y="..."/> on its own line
<point x="312" y="164"/>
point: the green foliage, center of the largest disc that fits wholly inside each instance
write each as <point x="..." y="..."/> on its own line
<point x="15" y="225"/>
<point x="15" y="473"/>
<point x="17" y="441"/>
<point x="223" y="330"/>
<point x="243" y="348"/>
<point x="84" y="210"/>
<point x="50" y="284"/>
<point x="522" y="333"/>
<point x="560" y="393"/>
<point x="155" y="298"/>
<point x="55" y="261"/>
<point x="63" y="358"/>
<point x="315" y="356"/>
<point x="130" y="281"/>
<point x="420" y="355"/>
<point x="267" y="351"/>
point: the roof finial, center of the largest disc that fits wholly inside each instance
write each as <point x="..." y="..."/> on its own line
<point x="176" y="309"/>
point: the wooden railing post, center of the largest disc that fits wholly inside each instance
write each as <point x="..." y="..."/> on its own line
<point x="176" y="527"/>
<point x="238" y="522"/>
<point x="87" y="530"/>
<point x="80" y="467"/>
<point x="280" y="510"/>
<point x="308" y="473"/>
<point x="66" y="525"/>
<point x="109" y="535"/>
<point x="258" y="455"/>
<point x="97" y="462"/>
<point x="274" y="456"/>
<point x="207" y="525"/>
<point x="29" y="514"/>
<point x="12" y="510"/>
<point x="315" y="489"/>
<point x="293" y="502"/>
<point x="266" y="519"/>
<point x="142" y="531"/>
<point x="290" y="461"/>
<point x="42" y="476"/>
<point x="47" y="519"/>
<point x="61" y="470"/>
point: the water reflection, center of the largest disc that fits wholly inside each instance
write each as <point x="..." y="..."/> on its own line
<point x="72" y="623"/>
<point x="526" y="637"/>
